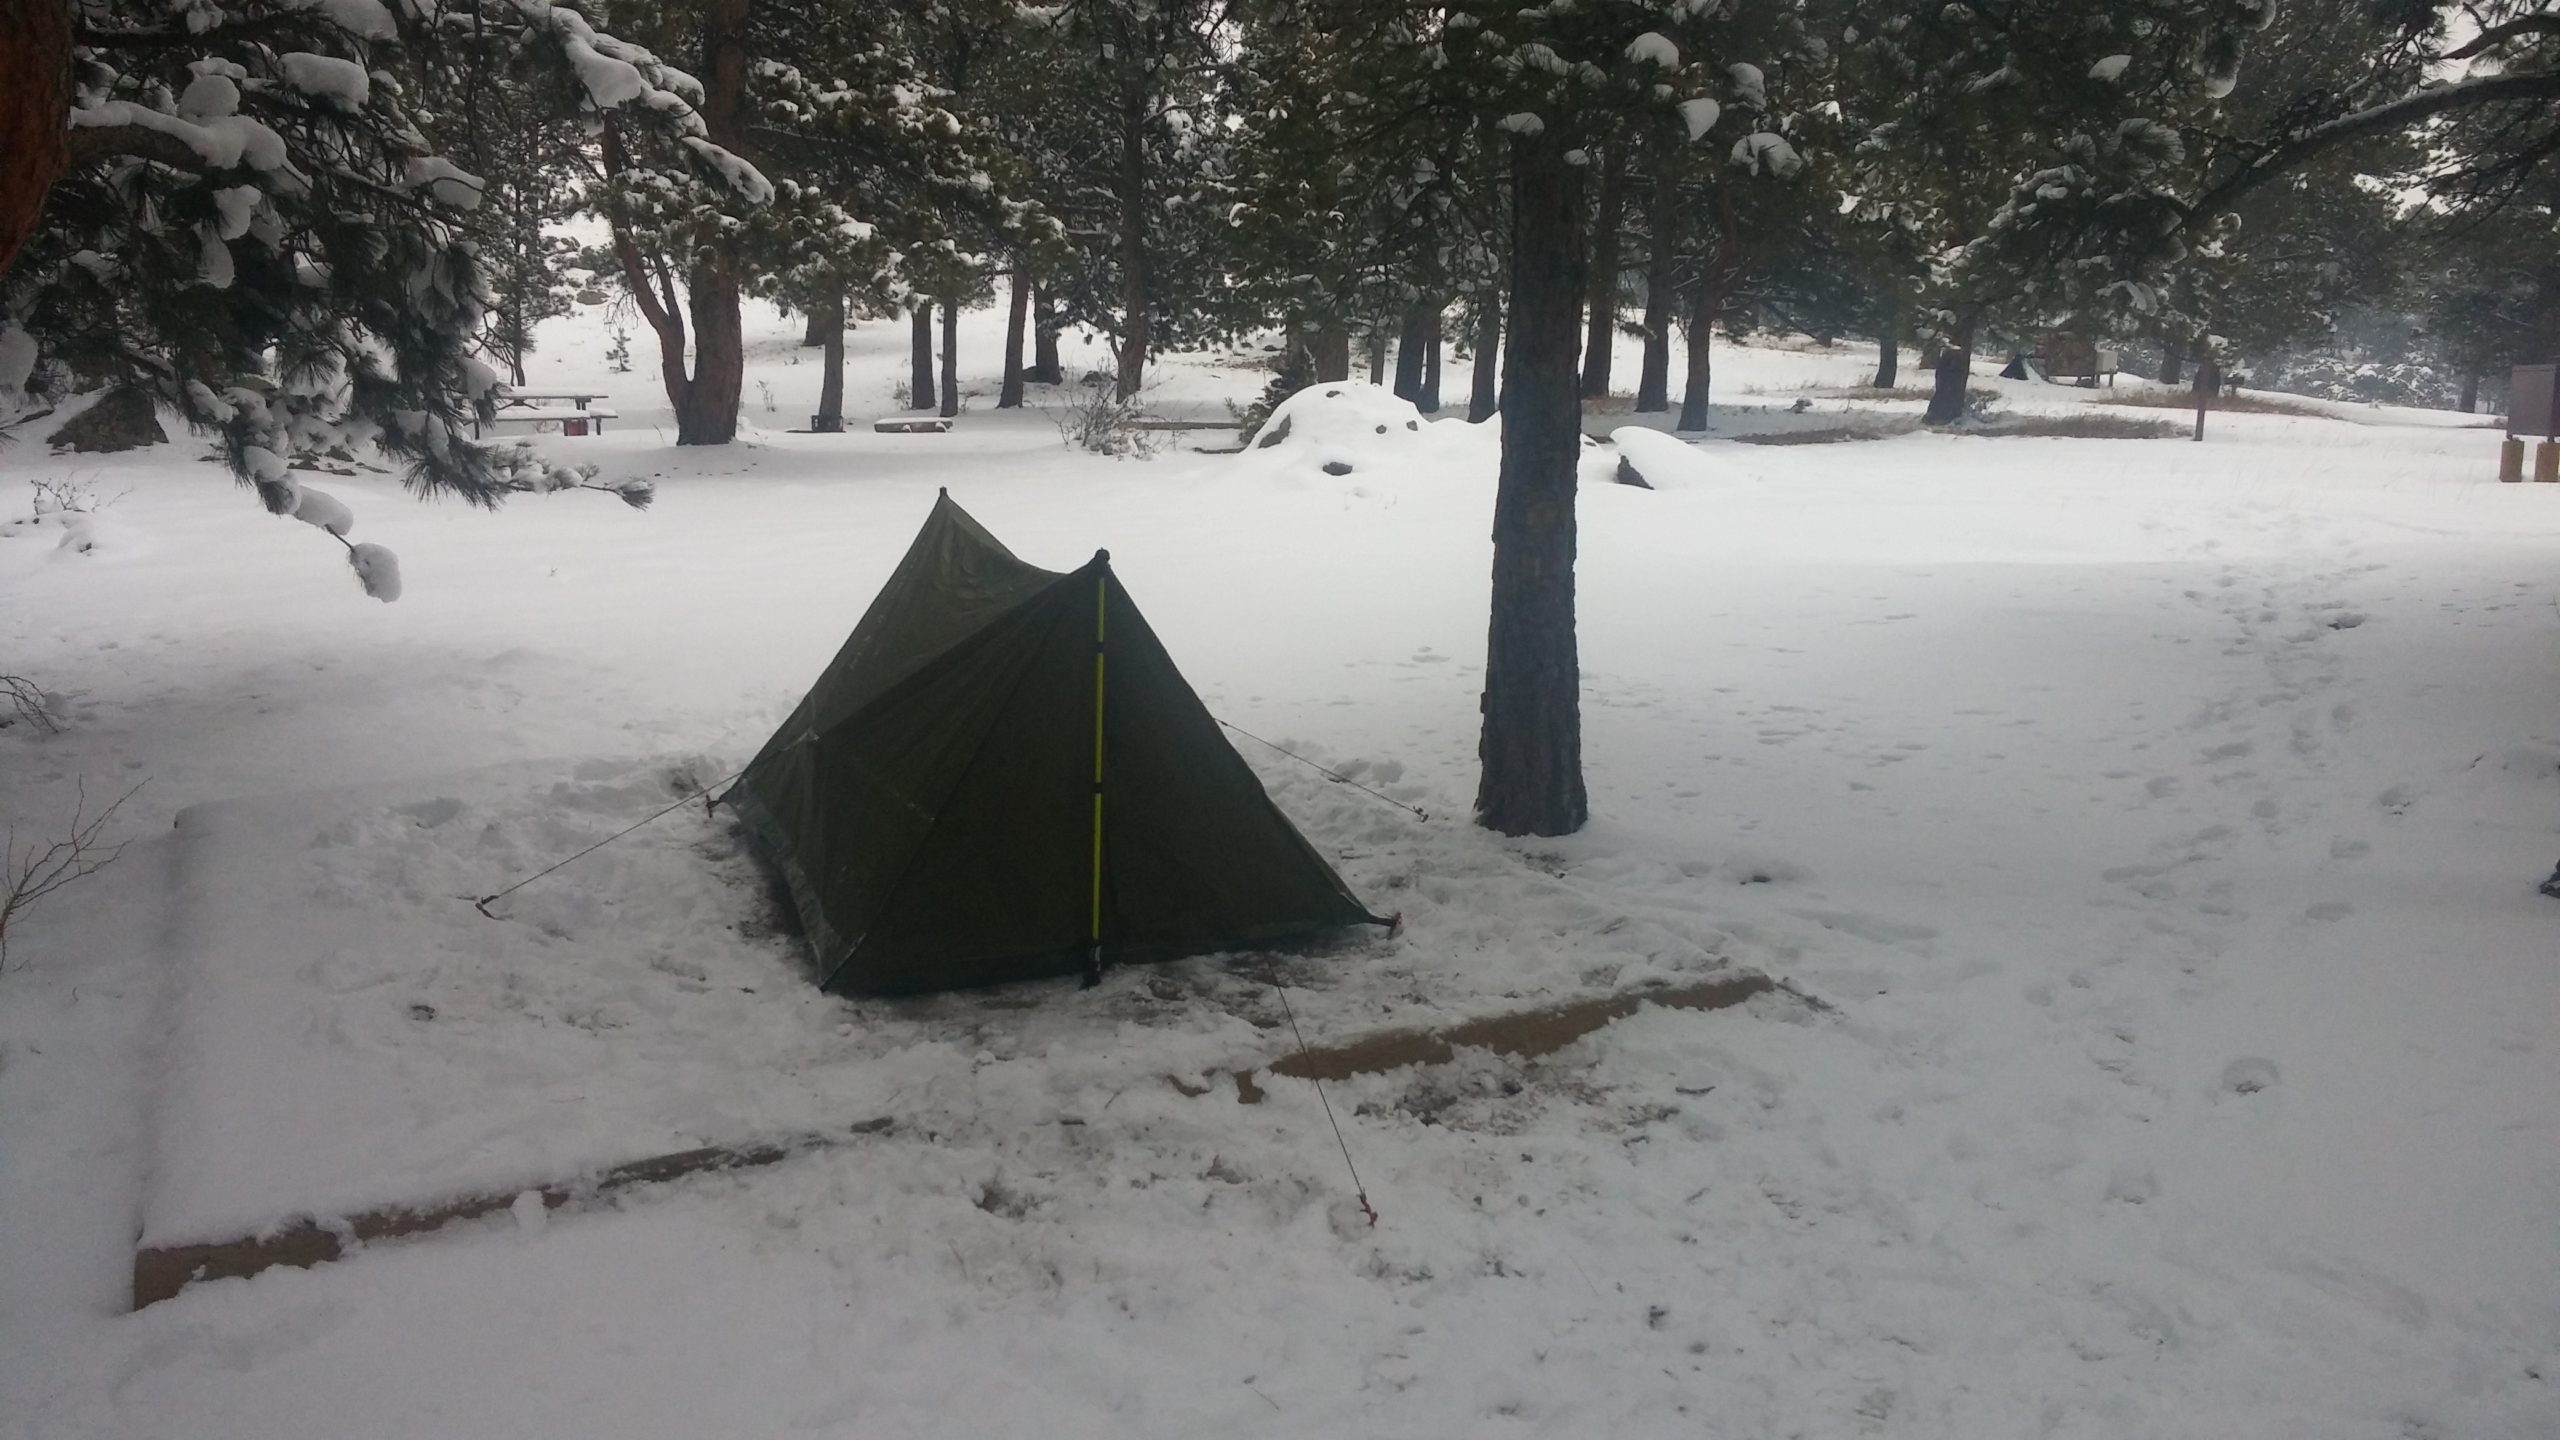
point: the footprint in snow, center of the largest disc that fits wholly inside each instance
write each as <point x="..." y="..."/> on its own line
<point x="2248" y="1075"/>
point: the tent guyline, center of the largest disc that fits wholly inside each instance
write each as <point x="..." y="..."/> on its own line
<point x="1335" y="775"/>
<point x="1356" y="1187"/>
<point x="483" y="902"/>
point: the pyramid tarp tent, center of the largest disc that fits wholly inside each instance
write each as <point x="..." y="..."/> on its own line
<point x="1002" y="776"/>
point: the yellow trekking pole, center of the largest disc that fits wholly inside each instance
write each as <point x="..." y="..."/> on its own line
<point x="1093" y="932"/>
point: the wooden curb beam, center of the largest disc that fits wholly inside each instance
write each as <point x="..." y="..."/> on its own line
<point x="1523" y="1034"/>
<point x="161" y="1272"/>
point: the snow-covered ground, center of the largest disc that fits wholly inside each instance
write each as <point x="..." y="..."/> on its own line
<point x="2159" y="822"/>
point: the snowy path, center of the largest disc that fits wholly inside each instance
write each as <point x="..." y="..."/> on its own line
<point x="2164" y="836"/>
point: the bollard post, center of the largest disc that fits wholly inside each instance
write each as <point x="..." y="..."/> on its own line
<point x="2546" y="462"/>
<point x="2511" y="461"/>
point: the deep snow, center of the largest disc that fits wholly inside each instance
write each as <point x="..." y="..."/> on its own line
<point x="2162" y="821"/>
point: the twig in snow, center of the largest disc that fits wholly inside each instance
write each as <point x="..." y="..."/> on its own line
<point x="34" y="871"/>
<point x="30" y="704"/>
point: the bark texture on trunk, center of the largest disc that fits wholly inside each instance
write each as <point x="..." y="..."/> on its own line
<point x="1951" y="377"/>
<point x="1484" y="389"/>
<point x="920" y="387"/>
<point x="1706" y="303"/>
<point x="1332" y="352"/>
<point x="1377" y="356"/>
<point x="707" y="411"/>
<point x="1017" y="317"/>
<point x="1531" y="748"/>
<point x="1409" y="353"/>
<point x="1430" y="401"/>
<point x="705" y="396"/>
<point x="1601" y="342"/>
<point x="1889" y="346"/>
<point x="1137" y="298"/>
<point x="1653" y="385"/>
<point x="815" y="332"/>
<point x="35" y="100"/>
<point x="829" y="321"/>
<point x="950" y="359"/>
<point x="1045" y="325"/>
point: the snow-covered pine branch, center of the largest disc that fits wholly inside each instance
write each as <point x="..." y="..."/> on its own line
<point x="249" y="226"/>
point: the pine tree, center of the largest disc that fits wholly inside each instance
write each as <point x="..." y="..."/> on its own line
<point x="1557" y="85"/>
<point x="1131" y="162"/>
<point x="2020" y="143"/>
<point x="250" y="226"/>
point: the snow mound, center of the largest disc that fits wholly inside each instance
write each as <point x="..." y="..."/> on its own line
<point x="1347" y="428"/>
<point x="1664" y="463"/>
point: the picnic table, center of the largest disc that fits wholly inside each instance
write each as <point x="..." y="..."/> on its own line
<point x="543" y="407"/>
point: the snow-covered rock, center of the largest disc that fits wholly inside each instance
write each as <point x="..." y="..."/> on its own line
<point x="1342" y="427"/>
<point x="1665" y="463"/>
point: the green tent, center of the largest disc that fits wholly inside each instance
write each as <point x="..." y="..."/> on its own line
<point x="1002" y="776"/>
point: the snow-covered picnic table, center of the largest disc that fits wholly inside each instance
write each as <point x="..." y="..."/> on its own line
<point x="543" y="407"/>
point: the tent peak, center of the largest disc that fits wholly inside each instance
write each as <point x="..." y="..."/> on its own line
<point x="1102" y="557"/>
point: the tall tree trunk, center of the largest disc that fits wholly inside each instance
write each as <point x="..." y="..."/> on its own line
<point x="1045" y="325"/>
<point x="2470" y="400"/>
<point x="2173" y="361"/>
<point x="920" y="389"/>
<point x="707" y="411"/>
<point x="707" y="414"/>
<point x="1889" y="342"/>
<point x="1137" y="299"/>
<point x="1653" y="385"/>
<point x="1531" y="748"/>
<point x="830" y="320"/>
<point x="1332" y="352"/>
<point x="35" y="104"/>
<point x="1016" y="316"/>
<point x="1409" y="348"/>
<point x="1484" y="391"/>
<point x="1602" y="340"/>
<point x="815" y="332"/>
<point x="950" y="358"/>
<point x="1430" y="401"/>
<point x="1953" y="376"/>
<point x="1706" y="305"/>
<point x="1377" y="355"/>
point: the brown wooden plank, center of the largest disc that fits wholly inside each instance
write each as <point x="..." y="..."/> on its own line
<point x="160" y="1272"/>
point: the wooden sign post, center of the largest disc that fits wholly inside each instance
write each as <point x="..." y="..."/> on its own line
<point x="2533" y="408"/>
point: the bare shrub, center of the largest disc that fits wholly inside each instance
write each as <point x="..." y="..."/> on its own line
<point x="28" y="705"/>
<point x="1828" y="435"/>
<point x="1977" y="396"/>
<point x="2081" y="427"/>
<point x="2252" y="403"/>
<point x="1094" y="420"/>
<point x="34" y="869"/>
